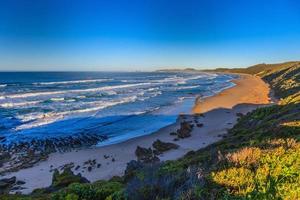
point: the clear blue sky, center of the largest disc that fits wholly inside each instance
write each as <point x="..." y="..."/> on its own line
<point x="146" y="34"/>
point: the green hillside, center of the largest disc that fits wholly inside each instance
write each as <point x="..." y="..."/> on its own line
<point x="258" y="159"/>
<point x="283" y="77"/>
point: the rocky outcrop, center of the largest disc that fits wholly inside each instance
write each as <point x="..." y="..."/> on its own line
<point x="160" y="147"/>
<point x="185" y="130"/>
<point x="146" y="155"/>
<point x="26" y="154"/>
<point x="10" y="184"/>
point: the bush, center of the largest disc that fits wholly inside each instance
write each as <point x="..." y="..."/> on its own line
<point x="100" y="190"/>
<point x="60" y="180"/>
<point x="151" y="184"/>
<point x="276" y="175"/>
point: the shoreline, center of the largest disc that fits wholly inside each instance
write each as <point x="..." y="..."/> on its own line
<point x="229" y="97"/>
<point x="220" y="113"/>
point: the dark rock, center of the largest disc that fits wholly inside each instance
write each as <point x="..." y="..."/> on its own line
<point x="4" y="156"/>
<point x="6" y="184"/>
<point x="146" y="155"/>
<point x="106" y="156"/>
<point x="173" y="133"/>
<point x="185" y="130"/>
<point x="17" y="188"/>
<point x="89" y="168"/>
<point x="113" y="160"/>
<point x="163" y="146"/>
<point x="87" y="162"/>
<point x="98" y="165"/>
<point x="199" y="115"/>
<point x="199" y="125"/>
<point x="19" y="182"/>
<point x="77" y="167"/>
<point x="28" y="153"/>
<point x="68" y="165"/>
<point x="3" y="185"/>
<point x="10" y="181"/>
<point x="239" y="114"/>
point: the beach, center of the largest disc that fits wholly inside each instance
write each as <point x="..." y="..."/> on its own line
<point x="219" y="114"/>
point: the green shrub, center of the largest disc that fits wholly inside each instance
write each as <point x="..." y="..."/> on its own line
<point x="276" y="175"/>
<point x="99" y="190"/>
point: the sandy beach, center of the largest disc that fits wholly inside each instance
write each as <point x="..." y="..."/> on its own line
<point x="248" y="90"/>
<point x="220" y="113"/>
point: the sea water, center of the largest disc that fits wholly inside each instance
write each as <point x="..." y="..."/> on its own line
<point x="117" y="105"/>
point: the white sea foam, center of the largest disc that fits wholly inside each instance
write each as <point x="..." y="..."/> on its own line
<point x="138" y="113"/>
<point x="57" y="99"/>
<point x="181" y="80"/>
<point x="70" y="100"/>
<point x="18" y="104"/>
<point x="152" y="89"/>
<point x="186" y="87"/>
<point x="180" y="99"/>
<point x="39" y="119"/>
<point x="99" y="89"/>
<point x="3" y="85"/>
<point x="43" y="121"/>
<point x="72" y="82"/>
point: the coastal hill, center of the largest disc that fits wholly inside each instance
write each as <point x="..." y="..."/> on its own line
<point x="259" y="158"/>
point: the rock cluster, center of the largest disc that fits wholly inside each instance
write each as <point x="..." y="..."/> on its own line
<point x="161" y="147"/>
<point x="25" y="154"/>
<point x="146" y="155"/>
<point x="10" y="184"/>
<point x="149" y="155"/>
<point x="185" y="130"/>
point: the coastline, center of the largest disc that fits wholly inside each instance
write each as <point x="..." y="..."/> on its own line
<point x="220" y="113"/>
<point x="249" y="89"/>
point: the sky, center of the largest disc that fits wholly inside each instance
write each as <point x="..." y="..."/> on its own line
<point x="143" y="35"/>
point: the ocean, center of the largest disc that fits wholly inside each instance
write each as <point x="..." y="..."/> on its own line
<point x="113" y="106"/>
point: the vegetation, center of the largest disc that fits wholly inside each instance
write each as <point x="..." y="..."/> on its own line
<point x="259" y="158"/>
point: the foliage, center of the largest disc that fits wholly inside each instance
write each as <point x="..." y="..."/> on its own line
<point x="274" y="175"/>
<point x="100" y="190"/>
